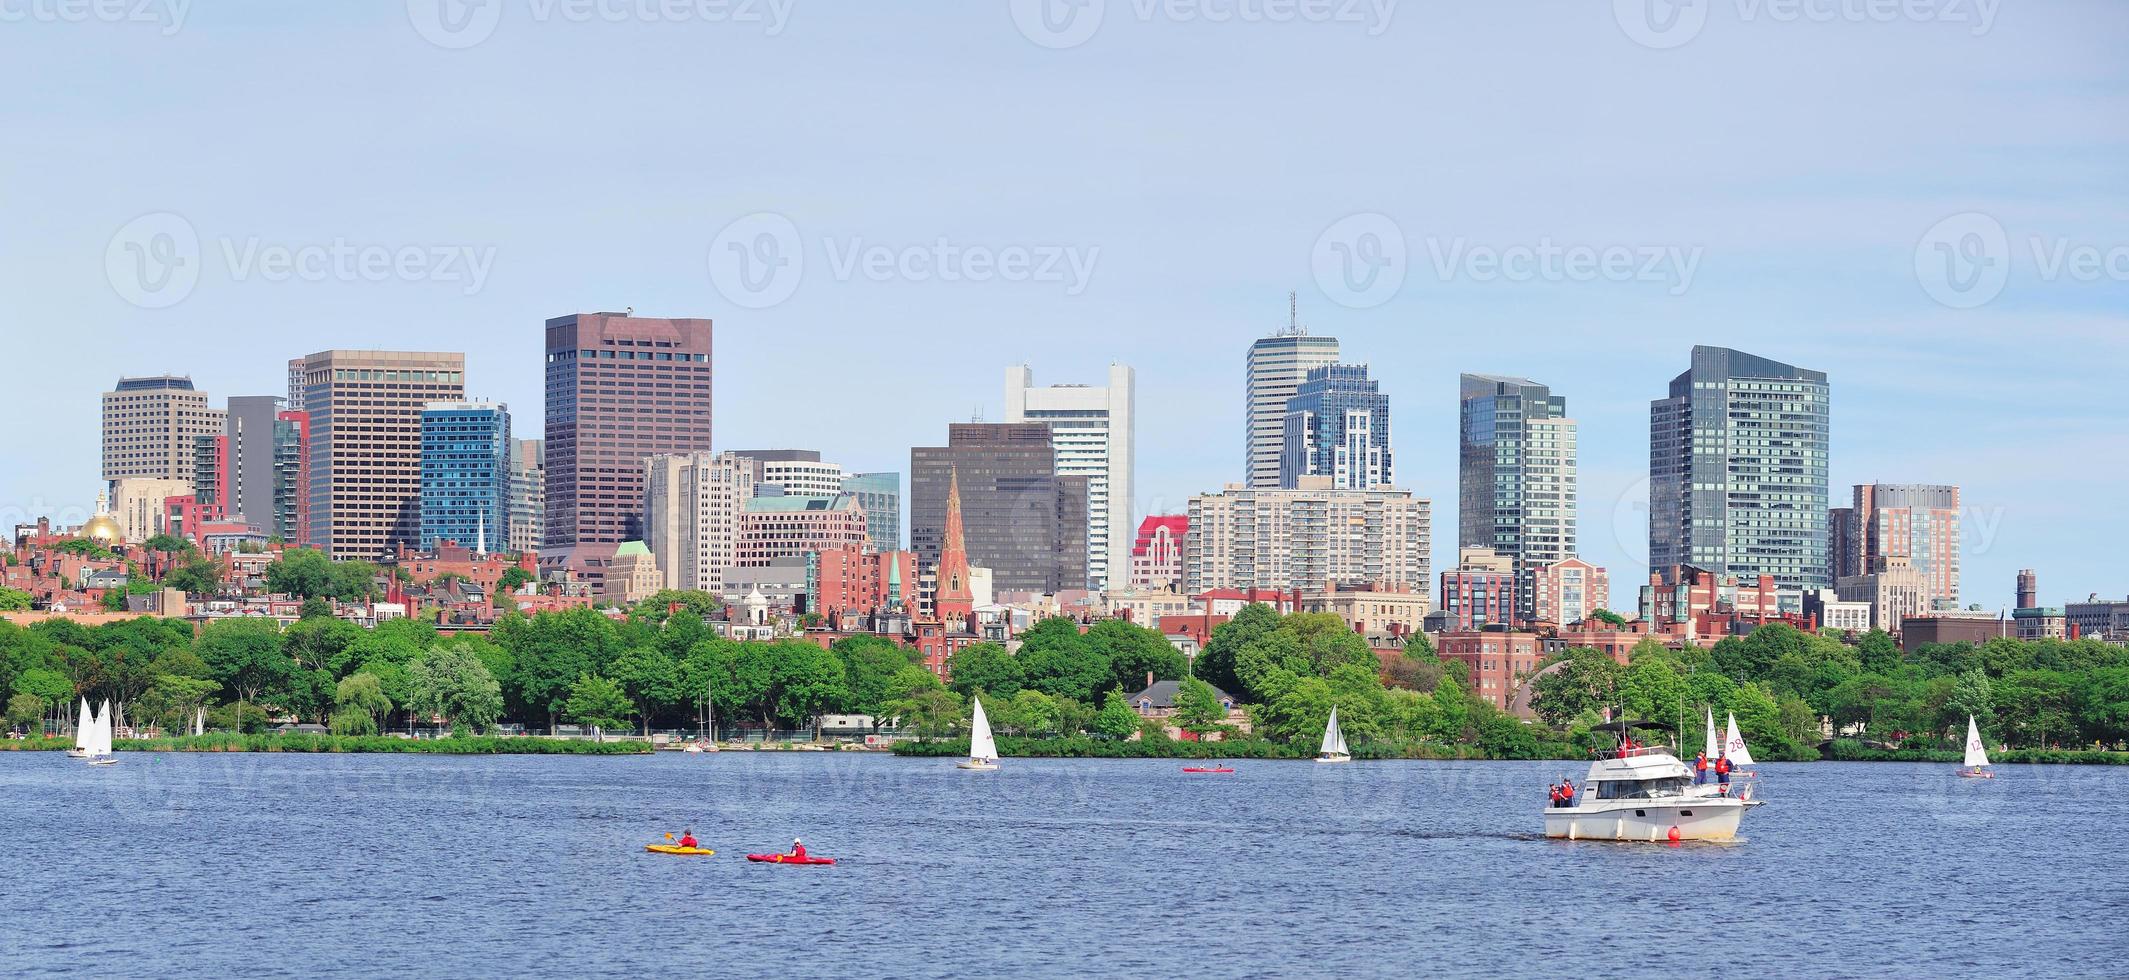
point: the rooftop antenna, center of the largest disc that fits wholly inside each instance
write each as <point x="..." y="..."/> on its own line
<point x="1293" y="316"/>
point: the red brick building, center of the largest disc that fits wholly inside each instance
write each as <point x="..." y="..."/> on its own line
<point x="1498" y="659"/>
<point x="851" y="582"/>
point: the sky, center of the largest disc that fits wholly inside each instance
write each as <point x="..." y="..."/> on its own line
<point x="884" y="205"/>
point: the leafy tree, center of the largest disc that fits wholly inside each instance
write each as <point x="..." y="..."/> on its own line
<point x="1116" y="719"/>
<point x="656" y="607"/>
<point x="315" y="607"/>
<point x="1216" y="663"/>
<point x="301" y="572"/>
<point x="451" y="682"/>
<point x="870" y="666"/>
<point x="930" y="709"/>
<point x="26" y="711"/>
<point x="597" y="702"/>
<point x="1416" y="671"/>
<point x="168" y="543"/>
<point x="513" y="578"/>
<point x="1135" y="652"/>
<point x="1035" y="713"/>
<point x="651" y="680"/>
<point x="1581" y="679"/>
<point x="1198" y="709"/>
<point x="245" y="657"/>
<point x="1608" y="618"/>
<point x="14" y="600"/>
<point x="1971" y="695"/>
<point x="984" y="667"/>
<point x="195" y="574"/>
<point x="361" y="694"/>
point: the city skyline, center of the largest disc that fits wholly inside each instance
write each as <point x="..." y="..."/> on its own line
<point x="1190" y="270"/>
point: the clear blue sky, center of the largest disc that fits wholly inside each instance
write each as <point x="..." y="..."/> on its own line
<point x="1801" y="163"/>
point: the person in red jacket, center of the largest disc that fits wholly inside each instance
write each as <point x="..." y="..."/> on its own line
<point x="687" y="838"/>
<point x="1700" y="769"/>
<point x="1722" y="772"/>
<point x="798" y="848"/>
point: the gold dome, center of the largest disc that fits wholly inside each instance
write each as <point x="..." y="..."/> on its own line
<point x="102" y="529"/>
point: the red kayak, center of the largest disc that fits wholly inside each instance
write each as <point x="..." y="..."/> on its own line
<point x="788" y="859"/>
<point x="1207" y="769"/>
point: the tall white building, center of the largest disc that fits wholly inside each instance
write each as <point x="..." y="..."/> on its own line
<point x="1305" y="538"/>
<point x="1092" y="429"/>
<point x="799" y="472"/>
<point x="1278" y="364"/>
<point x="693" y="504"/>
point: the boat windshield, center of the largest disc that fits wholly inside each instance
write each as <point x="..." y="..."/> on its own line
<point x="1641" y="789"/>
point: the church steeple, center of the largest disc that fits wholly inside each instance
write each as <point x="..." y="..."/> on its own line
<point x="955" y="601"/>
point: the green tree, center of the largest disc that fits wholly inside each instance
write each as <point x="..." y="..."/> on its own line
<point x="14" y="600"/>
<point x="651" y="680"/>
<point x="1608" y="618"/>
<point x="1134" y="653"/>
<point x="1035" y="713"/>
<point x="361" y="694"/>
<point x="1116" y="720"/>
<point x="1216" y="663"/>
<point x="870" y="666"/>
<point x="301" y="572"/>
<point x="656" y="607"/>
<point x="450" y="681"/>
<point x="1581" y="679"/>
<point x="597" y="702"/>
<point x="984" y="667"/>
<point x="1198" y="709"/>
<point x="245" y="657"/>
<point x="929" y="709"/>
<point x="195" y="574"/>
<point x="26" y="711"/>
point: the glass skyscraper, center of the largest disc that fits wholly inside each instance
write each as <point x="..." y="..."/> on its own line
<point x="881" y="496"/>
<point x="1738" y="470"/>
<point x="1337" y="425"/>
<point x="1516" y="484"/>
<point x="465" y="475"/>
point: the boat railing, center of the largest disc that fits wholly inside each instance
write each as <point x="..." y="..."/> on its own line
<point x="1636" y="752"/>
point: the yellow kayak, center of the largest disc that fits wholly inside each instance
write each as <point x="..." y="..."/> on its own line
<point x="677" y="849"/>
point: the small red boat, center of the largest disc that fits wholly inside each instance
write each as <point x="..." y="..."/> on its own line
<point x="788" y="859"/>
<point x="1208" y="769"/>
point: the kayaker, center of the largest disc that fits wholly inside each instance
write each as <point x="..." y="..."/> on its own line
<point x="1700" y="769"/>
<point x="687" y="838"/>
<point x="798" y="848"/>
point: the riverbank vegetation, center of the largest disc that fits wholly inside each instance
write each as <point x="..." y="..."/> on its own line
<point x="312" y="743"/>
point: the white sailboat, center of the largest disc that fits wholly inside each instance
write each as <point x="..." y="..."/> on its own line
<point x="99" y="747"/>
<point x="1740" y="756"/>
<point x="81" y="733"/>
<point x="1713" y="748"/>
<point x="1333" y="748"/>
<point x="982" y="748"/>
<point x="1977" y="755"/>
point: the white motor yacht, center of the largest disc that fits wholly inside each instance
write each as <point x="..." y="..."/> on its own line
<point x="1645" y="793"/>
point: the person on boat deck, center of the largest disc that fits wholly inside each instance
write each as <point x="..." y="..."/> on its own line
<point x="1700" y="769"/>
<point x="1722" y="771"/>
<point x="1555" y="796"/>
<point x="687" y="838"/>
<point x="798" y="848"/>
<point x="1567" y="792"/>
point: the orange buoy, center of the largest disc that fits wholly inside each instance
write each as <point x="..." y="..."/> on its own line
<point x="1674" y="835"/>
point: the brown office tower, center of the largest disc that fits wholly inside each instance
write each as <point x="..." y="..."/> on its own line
<point x="365" y="444"/>
<point x="620" y="389"/>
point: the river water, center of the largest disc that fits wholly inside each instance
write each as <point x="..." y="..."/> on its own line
<point x="320" y="865"/>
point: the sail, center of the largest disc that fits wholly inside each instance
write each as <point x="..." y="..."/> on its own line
<point x="100" y="732"/>
<point x="1714" y="748"/>
<point x="980" y="744"/>
<point x="81" y="728"/>
<point x="1333" y="737"/>
<point x="1735" y="746"/>
<point x="1976" y="755"/>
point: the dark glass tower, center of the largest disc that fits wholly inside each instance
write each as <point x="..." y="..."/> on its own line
<point x="1337" y="425"/>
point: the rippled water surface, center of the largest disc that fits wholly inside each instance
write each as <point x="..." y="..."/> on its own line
<point x="179" y="865"/>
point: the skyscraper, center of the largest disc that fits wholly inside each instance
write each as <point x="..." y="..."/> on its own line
<point x="249" y="425"/>
<point x="365" y="444"/>
<point x="1913" y="521"/>
<point x="1020" y="518"/>
<point x="528" y="494"/>
<point x="620" y="389"/>
<point x="465" y="475"/>
<point x="1246" y="538"/>
<point x="881" y="496"/>
<point x="796" y="472"/>
<point x="693" y="505"/>
<point x="150" y="426"/>
<point x="1093" y="430"/>
<point x="1737" y="470"/>
<point x="1337" y="426"/>
<point x="1277" y="366"/>
<point x="290" y="520"/>
<point x="1516" y="483"/>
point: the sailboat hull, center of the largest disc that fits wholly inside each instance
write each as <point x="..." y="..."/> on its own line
<point x="1334" y="758"/>
<point x="977" y="765"/>
<point x="1647" y="820"/>
<point x="77" y="753"/>
<point x="104" y="760"/>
